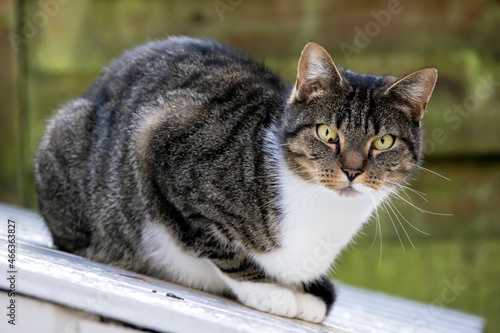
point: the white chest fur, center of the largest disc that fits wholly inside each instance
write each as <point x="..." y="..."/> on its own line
<point x="317" y="225"/>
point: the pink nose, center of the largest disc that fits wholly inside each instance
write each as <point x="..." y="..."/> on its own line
<point x="352" y="174"/>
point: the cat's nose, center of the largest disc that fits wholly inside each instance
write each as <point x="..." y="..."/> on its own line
<point x="352" y="173"/>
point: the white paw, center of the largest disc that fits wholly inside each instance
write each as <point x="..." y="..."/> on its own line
<point x="311" y="308"/>
<point x="270" y="298"/>
<point x="280" y="301"/>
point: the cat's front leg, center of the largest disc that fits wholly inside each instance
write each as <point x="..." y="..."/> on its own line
<point x="248" y="283"/>
<point x="278" y="300"/>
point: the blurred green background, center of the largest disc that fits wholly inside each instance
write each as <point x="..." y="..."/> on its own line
<point x="50" y="51"/>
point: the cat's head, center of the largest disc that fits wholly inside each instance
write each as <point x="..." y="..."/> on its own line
<point x="354" y="133"/>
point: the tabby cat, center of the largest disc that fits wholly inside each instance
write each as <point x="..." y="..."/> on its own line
<point x="187" y="161"/>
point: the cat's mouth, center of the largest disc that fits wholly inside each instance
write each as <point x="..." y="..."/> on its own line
<point x="348" y="192"/>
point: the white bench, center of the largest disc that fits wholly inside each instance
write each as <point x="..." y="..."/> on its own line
<point x="60" y="292"/>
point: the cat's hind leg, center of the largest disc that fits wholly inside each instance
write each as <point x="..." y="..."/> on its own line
<point x="60" y="170"/>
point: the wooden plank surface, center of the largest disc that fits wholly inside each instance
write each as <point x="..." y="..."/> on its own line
<point x="77" y="283"/>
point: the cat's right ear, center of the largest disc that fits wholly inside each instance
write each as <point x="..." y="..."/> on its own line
<point x="316" y="73"/>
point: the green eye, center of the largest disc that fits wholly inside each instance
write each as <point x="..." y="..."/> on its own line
<point x="327" y="134"/>
<point x="383" y="143"/>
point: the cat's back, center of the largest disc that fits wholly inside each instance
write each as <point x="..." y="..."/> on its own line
<point x="88" y="161"/>
<point x="181" y="63"/>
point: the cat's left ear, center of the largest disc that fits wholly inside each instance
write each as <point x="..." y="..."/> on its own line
<point x="316" y="73"/>
<point x="416" y="88"/>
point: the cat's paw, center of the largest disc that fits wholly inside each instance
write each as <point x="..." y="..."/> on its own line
<point x="310" y="308"/>
<point x="270" y="298"/>
<point x="281" y="301"/>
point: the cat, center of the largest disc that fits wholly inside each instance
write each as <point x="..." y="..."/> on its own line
<point x="188" y="161"/>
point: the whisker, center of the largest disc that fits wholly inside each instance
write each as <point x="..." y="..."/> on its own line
<point x="408" y="196"/>
<point x="308" y="192"/>
<point x="314" y="196"/>
<point x="378" y="230"/>
<point x="411" y="225"/>
<point x="380" y="235"/>
<point x="418" y="208"/>
<point x="433" y="172"/>
<point x="377" y="219"/>
<point x="390" y="204"/>
<point x="394" y="225"/>
<point x="422" y="194"/>
<point x="399" y="186"/>
<point x="419" y="193"/>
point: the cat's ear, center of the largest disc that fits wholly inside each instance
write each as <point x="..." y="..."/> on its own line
<point x="316" y="73"/>
<point x="416" y="88"/>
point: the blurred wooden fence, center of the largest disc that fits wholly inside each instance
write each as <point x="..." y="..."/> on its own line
<point x="50" y="50"/>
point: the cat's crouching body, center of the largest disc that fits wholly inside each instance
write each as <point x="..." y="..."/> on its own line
<point x="187" y="161"/>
